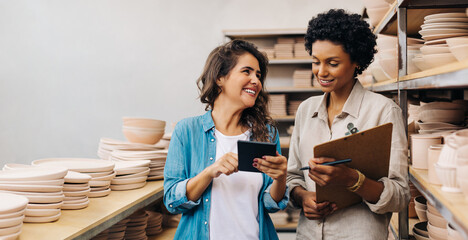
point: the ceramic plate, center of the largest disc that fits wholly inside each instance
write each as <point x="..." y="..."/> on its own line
<point x="131" y="164"/>
<point x="434" y="42"/>
<point x="102" y="193"/>
<point x="435" y="125"/>
<point x="42" y="219"/>
<point x="105" y="178"/>
<point x="13" y="236"/>
<point x="77" y="164"/>
<point x="75" y="206"/>
<point x="57" y="182"/>
<point x="441" y="36"/>
<point x="77" y="193"/>
<point x="76" y="177"/>
<point x="75" y="189"/>
<point x="45" y="199"/>
<point x="128" y="186"/>
<point x="13" y="214"/>
<point x="445" y="15"/>
<point x="129" y="180"/>
<point x="76" y="185"/>
<point x="132" y="170"/>
<point x="430" y="32"/>
<point x="30" y="188"/>
<point x="446" y="20"/>
<point x="27" y="174"/>
<point x="10" y="230"/>
<point x="12" y="203"/>
<point x="78" y="201"/>
<point x="44" y="205"/>
<point x="95" y="189"/>
<point x="99" y="174"/>
<point x="11" y="166"/>
<point x="144" y="173"/>
<point x="11" y="222"/>
<point x="41" y="212"/>
<point x="105" y="183"/>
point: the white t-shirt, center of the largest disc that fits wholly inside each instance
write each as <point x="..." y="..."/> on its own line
<point x="234" y="198"/>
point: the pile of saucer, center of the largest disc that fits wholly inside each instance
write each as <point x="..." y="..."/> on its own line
<point x="157" y="158"/>
<point x="43" y="188"/>
<point x="136" y="226"/>
<point x="11" y="215"/>
<point x="101" y="172"/>
<point x="154" y="226"/>
<point x="107" y="145"/>
<point x="130" y="174"/>
<point x="76" y="190"/>
<point x="277" y="104"/>
<point x="117" y="231"/>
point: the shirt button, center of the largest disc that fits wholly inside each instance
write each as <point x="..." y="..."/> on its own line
<point x="206" y="200"/>
<point x="211" y="158"/>
<point x="212" y="140"/>
<point x="170" y="205"/>
<point x="206" y="223"/>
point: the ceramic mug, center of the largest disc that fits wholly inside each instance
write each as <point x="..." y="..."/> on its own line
<point x="420" y="144"/>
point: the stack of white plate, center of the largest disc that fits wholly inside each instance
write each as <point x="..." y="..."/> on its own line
<point x="154" y="226"/>
<point x="43" y="188"/>
<point x="435" y="31"/>
<point x="130" y="174"/>
<point x="157" y="158"/>
<point x="101" y="171"/>
<point x="136" y="226"/>
<point x="107" y="145"/>
<point x="11" y="215"/>
<point x="76" y="190"/>
<point x="117" y="231"/>
<point x="277" y="104"/>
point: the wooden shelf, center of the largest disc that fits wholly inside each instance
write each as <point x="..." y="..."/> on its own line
<point x="101" y="214"/>
<point x="433" y="4"/>
<point x="293" y="89"/>
<point x="388" y="23"/>
<point x="284" y="118"/>
<point x="252" y="33"/>
<point x="291" y="61"/>
<point x="452" y="206"/>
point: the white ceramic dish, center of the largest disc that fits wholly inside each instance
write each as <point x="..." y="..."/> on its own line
<point x="12" y="203"/>
<point x="436" y="42"/>
<point x="45" y="199"/>
<point x="95" y="189"/>
<point x="102" y="193"/>
<point x="144" y="173"/>
<point x="77" y="164"/>
<point x="460" y="52"/>
<point x="77" y="193"/>
<point x="453" y="42"/>
<point x="447" y="20"/>
<point x="443" y="36"/>
<point x="78" y="201"/>
<point x="75" y="189"/>
<point x="127" y="186"/>
<point x="121" y="165"/>
<point x="105" y="177"/>
<point x="129" y="180"/>
<point x="76" y="177"/>
<point x="28" y="174"/>
<point x="41" y="212"/>
<point x="42" y="219"/>
<point x="125" y="171"/>
<point x="56" y="182"/>
<point x="439" y="59"/>
<point x="445" y="15"/>
<point x="104" y="183"/>
<point x="99" y="174"/>
<point x="430" y="32"/>
<point x="11" y="222"/>
<point x="10" y="230"/>
<point x="75" y="206"/>
<point x="13" y="236"/>
<point x="13" y="214"/>
<point x="44" y="205"/>
<point x="31" y="188"/>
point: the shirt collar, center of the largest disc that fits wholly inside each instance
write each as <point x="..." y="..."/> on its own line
<point x="351" y="107"/>
<point x="208" y="122"/>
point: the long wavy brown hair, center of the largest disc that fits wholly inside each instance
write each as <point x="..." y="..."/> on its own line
<point x="219" y="64"/>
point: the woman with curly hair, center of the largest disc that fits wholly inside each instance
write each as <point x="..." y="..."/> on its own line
<point x="201" y="177"/>
<point x="342" y="46"/>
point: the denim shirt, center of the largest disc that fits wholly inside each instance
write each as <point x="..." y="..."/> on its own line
<point x="192" y="149"/>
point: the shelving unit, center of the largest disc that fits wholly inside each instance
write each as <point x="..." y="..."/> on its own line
<point x="404" y="20"/>
<point x="101" y="214"/>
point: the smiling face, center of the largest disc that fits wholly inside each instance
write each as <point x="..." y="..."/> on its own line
<point x="242" y="85"/>
<point x="332" y="67"/>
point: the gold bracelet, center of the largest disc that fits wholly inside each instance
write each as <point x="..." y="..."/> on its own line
<point x="359" y="182"/>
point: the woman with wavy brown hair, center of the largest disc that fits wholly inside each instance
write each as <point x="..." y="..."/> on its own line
<point x="201" y="175"/>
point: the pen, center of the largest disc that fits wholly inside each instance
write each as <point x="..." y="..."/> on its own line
<point x="329" y="163"/>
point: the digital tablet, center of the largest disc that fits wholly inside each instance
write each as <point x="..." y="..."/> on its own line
<point x="248" y="150"/>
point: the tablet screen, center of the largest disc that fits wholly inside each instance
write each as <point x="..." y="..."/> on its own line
<point x="248" y="150"/>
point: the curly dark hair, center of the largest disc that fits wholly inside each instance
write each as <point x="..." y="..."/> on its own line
<point x="348" y="30"/>
<point x="219" y="64"/>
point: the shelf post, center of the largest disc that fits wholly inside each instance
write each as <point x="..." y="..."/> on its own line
<point x="403" y="232"/>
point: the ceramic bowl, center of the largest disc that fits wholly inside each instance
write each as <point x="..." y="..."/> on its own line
<point x="460" y="52"/>
<point x="143" y="123"/>
<point x="448" y="177"/>
<point x="436" y="232"/>
<point x="421" y="229"/>
<point x="453" y="42"/>
<point x="376" y="14"/>
<point x="417" y="236"/>
<point x="420" y="144"/>
<point x="453" y="234"/>
<point x="434" y="49"/>
<point x="378" y="73"/>
<point x="420" y="63"/>
<point x="386" y="42"/>
<point x="389" y="66"/>
<point x="439" y="59"/>
<point x="142" y="135"/>
<point x="420" y="202"/>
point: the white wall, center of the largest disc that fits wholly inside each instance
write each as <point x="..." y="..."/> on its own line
<point x="69" y="70"/>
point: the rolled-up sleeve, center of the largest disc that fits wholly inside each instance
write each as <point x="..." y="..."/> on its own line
<point x="395" y="195"/>
<point x="175" y="175"/>
<point x="295" y="176"/>
<point x="271" y="205"/>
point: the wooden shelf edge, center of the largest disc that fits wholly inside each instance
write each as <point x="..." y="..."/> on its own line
<point x="452" y="206"/>
<point x="387" y="18"/>
<point x="452" y="67"/>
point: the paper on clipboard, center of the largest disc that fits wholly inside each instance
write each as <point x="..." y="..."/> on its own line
<point x="370" y="154"/>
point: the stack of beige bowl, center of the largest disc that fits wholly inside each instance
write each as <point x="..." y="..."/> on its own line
<point x="143" y="130"/>
<point x="458" y="47"/>
<point x="41" y="185"/>
<point x="157" y="158"/>
<point x="154" y="226"/>
<point x="293" y="105"/>
<point x="284" y="48"/>
<point x="376" y="9"/>
<point x="130" y="174"/>
<point x="11" y="215"/>
<point x="277" y="104"/>
<point x="117" y="231"/>
<point x="437" y="225"/>
<point x="136" y="226"/>
<point x="386" y="57"/>
<point x="420" y="231"/>
<point x="101" y="172"/>
<point x="299" y="48"/>
<point x="421" y="208"/>
<point x="437" y="28"/>
<point x="302" y="78"/>
<point x="76" y="190"/>
<point x="164" y="142"/>
<point x="366" y="77"/>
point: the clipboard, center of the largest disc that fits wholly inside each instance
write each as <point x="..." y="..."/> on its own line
<point x="370" y="154"/>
